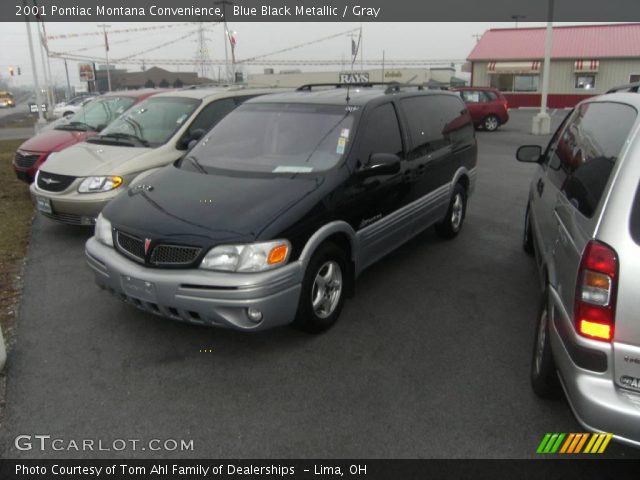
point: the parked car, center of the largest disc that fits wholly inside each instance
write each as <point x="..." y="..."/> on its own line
<point x="7" y="100"/>
<point x="629" y="87"/>
<point x="66" y="109"/>
<point x="488" y="106"/>
<point x="77" y="183"/>
<point x="583" y="223"/>
<point x="273" y="214"/>
<point x="94" y="117"/>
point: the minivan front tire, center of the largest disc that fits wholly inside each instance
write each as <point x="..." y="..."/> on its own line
<point x="323" y="290"/>
<point x="544" y="377"/>
<point x="451" y="225"/>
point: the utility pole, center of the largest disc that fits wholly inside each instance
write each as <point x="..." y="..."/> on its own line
<point x="66" y="71"/>
<point x="45" y="45"/>
<point x="224" y="4"/>
<point x="44" y="71"/>
<point x="106" y="51"/>
<point x="541" y="124"/>
<point x="517" y="17"/>
<point x="382" y="79"/>
<point x="202" y="56"/>
<point x="41" y="120"/>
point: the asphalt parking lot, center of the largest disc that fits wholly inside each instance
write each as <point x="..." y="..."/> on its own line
<point x="429" y="360"/>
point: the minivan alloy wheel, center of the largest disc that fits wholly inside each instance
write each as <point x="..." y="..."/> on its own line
<point x="457" y="211"/>
<point x="327" y="289"/>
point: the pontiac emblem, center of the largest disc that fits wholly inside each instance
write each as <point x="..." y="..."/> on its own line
<point x="147" y="244"/>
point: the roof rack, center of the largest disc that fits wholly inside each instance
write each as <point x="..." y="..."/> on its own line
<point x="392" y="87"/>
<point x="629" y="87"/>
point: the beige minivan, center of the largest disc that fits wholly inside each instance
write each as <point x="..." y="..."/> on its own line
<point x="75" y="184"/>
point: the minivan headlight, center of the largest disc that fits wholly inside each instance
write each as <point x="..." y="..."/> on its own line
<point x="99" y="184"/>
<point x="251" y="257"/>
<point x="103" y="231"/>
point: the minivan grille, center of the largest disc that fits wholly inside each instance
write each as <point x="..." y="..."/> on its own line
<point x="161" y="255"/>
<point x="130" y="246"/>
<point x="25" y="161"/>
<point x="174" y="255"/>
<point x="52" y="182"/>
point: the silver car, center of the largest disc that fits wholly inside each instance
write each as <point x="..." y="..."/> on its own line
<point x="583" y="225"/>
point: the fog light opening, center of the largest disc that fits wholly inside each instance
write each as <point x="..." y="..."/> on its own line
<point x="254" y="314"/>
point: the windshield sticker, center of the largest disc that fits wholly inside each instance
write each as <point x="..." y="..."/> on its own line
<point x="120" y="110"/>
<point x="344" y="133"/>
<point x="181" y="118"/>
<point x="292" y="169"/>
<point x="342" y="142"/>
<point x="351" y="108"/>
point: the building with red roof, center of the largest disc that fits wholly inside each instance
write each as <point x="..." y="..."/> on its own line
<point x="586" y="60"/>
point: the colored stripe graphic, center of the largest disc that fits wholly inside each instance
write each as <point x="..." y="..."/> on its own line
<point x="574" y="443"/>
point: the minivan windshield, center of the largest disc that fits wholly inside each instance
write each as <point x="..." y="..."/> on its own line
<point x="276" y="138"/>
<point x="149" y="124"/>
<point x="97" y="114"/>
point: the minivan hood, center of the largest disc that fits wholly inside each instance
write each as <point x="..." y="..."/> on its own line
<point x="54" y="140"/>
<point x="183" y="206"/>
<point x="87" y="159"/>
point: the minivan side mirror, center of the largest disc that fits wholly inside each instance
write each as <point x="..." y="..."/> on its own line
<point x="381" y="164"/>
<point x="191" y="138"/>
<point x="529" y="153"/>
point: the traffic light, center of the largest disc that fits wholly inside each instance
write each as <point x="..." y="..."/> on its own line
<point x="19" y="71"/>
<point x="11" y="72"/>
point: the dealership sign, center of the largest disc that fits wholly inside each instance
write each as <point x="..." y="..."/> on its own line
<point x="362" y="77"/>
<point x="86" y="72"/>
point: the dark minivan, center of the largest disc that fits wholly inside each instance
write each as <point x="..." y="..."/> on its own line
<point x="269" y="219"/>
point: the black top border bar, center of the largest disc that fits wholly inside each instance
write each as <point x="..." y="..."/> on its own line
<point x="320" y="11"/>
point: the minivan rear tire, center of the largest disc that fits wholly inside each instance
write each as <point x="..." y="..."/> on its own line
<point x="527" y="236"/>
<point x="544" y="377"/>
<point x="329" y="262"/>
<point x="451" y="225"/>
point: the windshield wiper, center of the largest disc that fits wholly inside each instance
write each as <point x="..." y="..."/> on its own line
<point x="125" y="136"/>
<point x="75" y="126"/>
<point x="195" y="162"/>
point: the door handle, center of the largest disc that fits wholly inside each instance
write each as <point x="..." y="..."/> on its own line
<point x="540" y="186"/>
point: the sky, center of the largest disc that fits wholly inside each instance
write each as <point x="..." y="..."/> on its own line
<point x="400" y="41"/>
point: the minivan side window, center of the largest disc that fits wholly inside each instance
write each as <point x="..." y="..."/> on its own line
<point x="210" y="115"/>
<point x="382" y="133"/>
<point x="587" y="151"/>
<point x="430" y="118"/>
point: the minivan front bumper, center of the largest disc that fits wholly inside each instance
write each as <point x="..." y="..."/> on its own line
<point x="200" y="296"/>
<point x="597" y="402"/>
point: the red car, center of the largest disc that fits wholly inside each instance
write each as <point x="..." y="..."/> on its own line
<point x="84" y="124"/>
<point x="488" y="107"/>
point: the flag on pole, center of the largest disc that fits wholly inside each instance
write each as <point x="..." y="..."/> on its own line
<point x="354" y="48"/>
<point x="106" y="42"/>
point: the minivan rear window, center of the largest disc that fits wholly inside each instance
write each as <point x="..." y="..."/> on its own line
<point x="635" y="218"/>
<point x="277" y="138"/>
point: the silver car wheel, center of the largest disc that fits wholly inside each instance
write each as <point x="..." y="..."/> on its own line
<point x="542" y="337"/>
<point x="327" y="289"/>
<point x="457" y="210"/>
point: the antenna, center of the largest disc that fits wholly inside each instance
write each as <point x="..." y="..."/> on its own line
<point x="354" y="56"/>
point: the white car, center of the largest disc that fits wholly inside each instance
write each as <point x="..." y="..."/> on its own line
<point x="73" y="106"/>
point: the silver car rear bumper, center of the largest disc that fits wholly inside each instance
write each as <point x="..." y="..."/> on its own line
<point x="200" y="296"/>
<point x="597" y="402"/>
